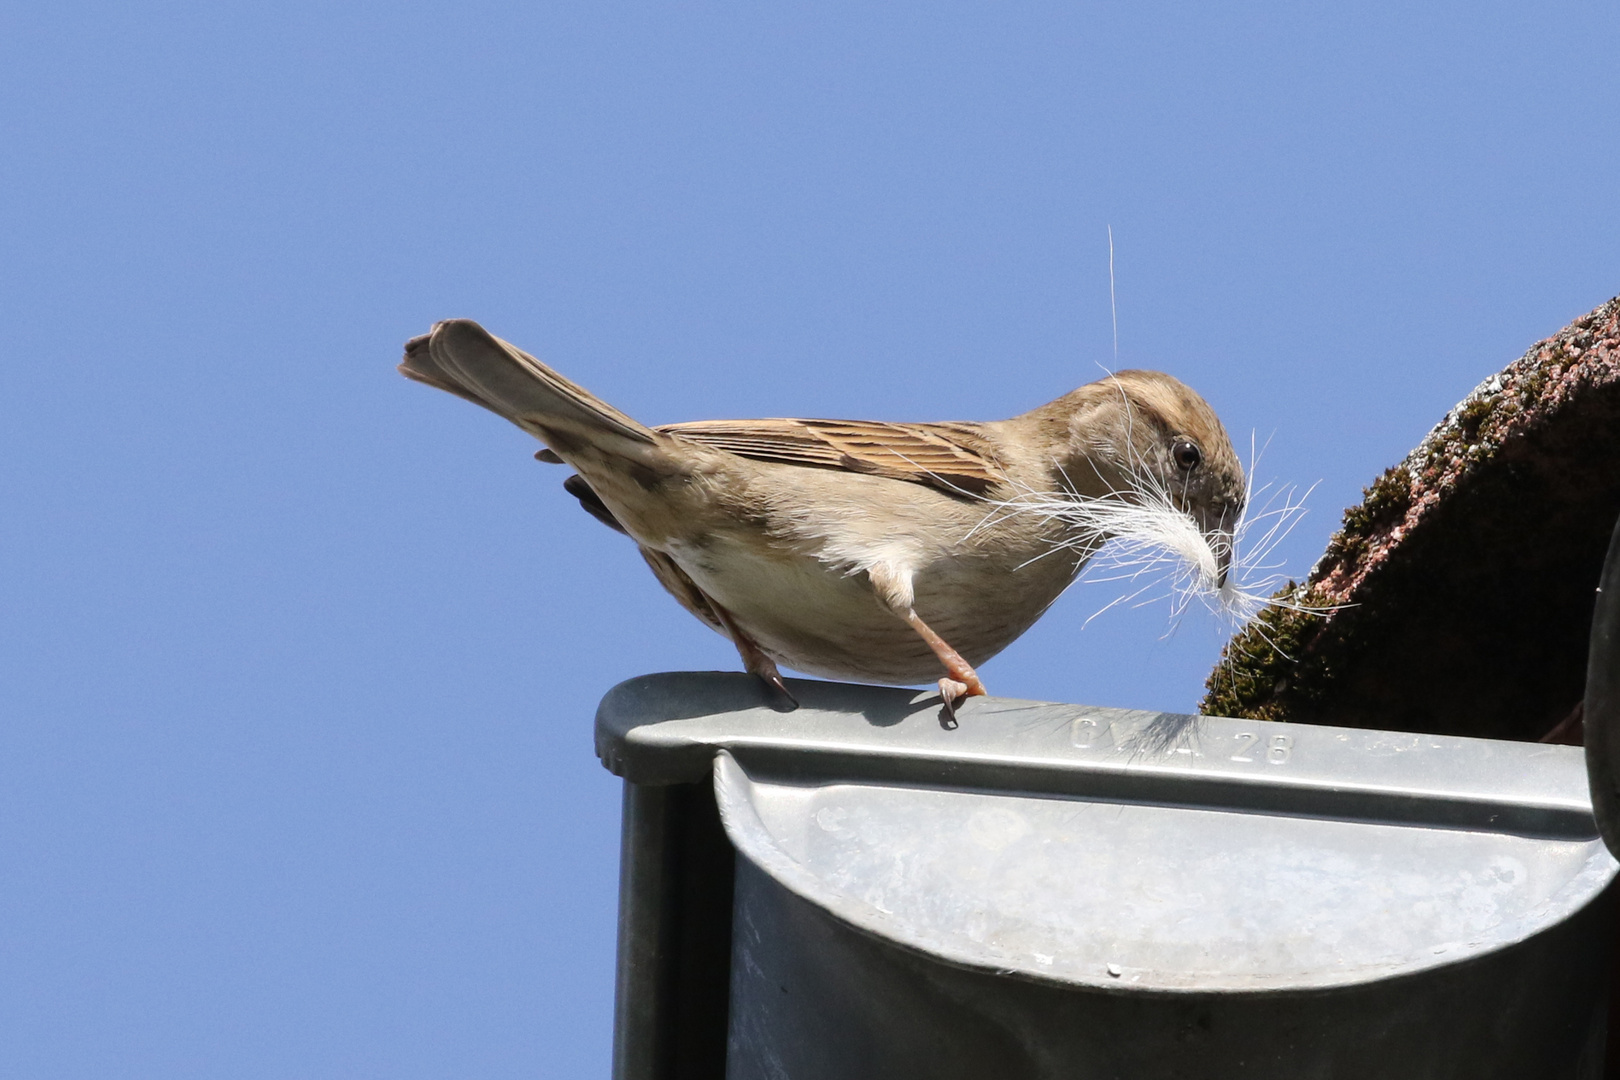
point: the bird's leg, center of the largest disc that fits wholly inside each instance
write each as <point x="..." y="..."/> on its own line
<point x="699" y="603"/>
<point x="961" y="681"/>
<point x="894" y="589"/>
<point x="753" y="657"/>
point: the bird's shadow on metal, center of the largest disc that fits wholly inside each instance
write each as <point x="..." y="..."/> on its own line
<point x="880" y="706"/>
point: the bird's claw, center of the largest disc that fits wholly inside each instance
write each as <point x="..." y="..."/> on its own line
<point x="952" y="691"/>
<point x="774" y="681"/>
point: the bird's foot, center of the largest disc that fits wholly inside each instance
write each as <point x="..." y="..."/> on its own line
<point x="952" y="691"/>
<point x="755" y="662"/>
<point x="773" y="679"/>
<point x="960" y="679"/>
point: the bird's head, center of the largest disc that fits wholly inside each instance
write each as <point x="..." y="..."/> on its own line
<point x="1148" y="440"/>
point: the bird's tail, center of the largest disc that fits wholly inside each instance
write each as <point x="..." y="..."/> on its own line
<point x="462" y="358"/>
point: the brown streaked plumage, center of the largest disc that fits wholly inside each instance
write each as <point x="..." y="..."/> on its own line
<point x="857" y="549"/>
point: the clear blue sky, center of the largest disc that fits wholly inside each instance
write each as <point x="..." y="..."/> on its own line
<point x="298" y="660"/>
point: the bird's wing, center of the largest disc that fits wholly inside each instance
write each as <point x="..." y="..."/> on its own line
<point x="957" y="458"/>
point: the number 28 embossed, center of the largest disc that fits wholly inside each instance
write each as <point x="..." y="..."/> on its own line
<point x="1276" y="751"/>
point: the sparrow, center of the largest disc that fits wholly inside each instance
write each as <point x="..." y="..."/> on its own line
<point x="866" y="550"/>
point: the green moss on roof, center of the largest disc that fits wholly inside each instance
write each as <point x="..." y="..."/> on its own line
<point x="1458" y="593"/>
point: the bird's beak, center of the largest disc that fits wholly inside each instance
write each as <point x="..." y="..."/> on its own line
<point x="1221" y="543"/>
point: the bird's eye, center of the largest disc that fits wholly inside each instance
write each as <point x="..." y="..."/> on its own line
<point x="1187" y="454"/>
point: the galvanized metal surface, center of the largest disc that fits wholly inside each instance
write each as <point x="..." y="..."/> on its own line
<point x="674" y="967"/>
<point x="1086" y="892"/>
<point x="1154" y="897"/>
<point x="813" y="999"/>
<point x="1602" y="702"/>
<point x="660" y="729"/>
